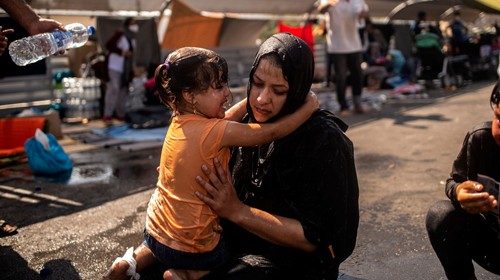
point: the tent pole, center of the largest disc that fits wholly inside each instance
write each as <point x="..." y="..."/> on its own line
<point x="163" y="7"/>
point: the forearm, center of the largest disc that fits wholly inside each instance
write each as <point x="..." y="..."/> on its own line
<point x="21" y="12"/>
<point x="112" y="48"/>
<point x="322" y="8"/>
<point x="237" y="112"/>
<point x="361" y="10"/>
<point x="363" y="14"/>
<point x="238" y="134"/>
<point x="287" y="124"/>
<point x="450" y="190"/>
<point x="279" y="230"/>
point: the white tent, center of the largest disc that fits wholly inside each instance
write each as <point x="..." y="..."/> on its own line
<point x="378" y="8"/>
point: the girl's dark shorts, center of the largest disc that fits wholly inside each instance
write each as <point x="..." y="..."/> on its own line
<point x="184" y="260"/>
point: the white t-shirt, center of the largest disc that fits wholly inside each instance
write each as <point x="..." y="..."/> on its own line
<point x="342" y="21"/>
<point x="116" y="61"/>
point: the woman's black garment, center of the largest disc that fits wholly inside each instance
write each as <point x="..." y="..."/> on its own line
<point x="308" y="176"/>
<point x="459" y="237"/>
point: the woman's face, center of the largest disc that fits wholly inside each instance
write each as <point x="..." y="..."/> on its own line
<point x="268" y="91"/>
<point x="495" y="126"/>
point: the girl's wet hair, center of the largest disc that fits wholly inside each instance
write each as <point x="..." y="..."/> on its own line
<point x="495" y="96"/>
<point x="189" y="69"/>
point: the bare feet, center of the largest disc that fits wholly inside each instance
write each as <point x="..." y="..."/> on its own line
<point x="140" y="259"/>
<point x="175" y="274"/>
<point x="118" y="271"/>
<point x="7" y="229"/>
<point x="345" y="112"/>
<point x="361" y="109"/>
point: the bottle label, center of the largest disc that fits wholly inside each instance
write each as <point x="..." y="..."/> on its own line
<point x="63" y="39"/>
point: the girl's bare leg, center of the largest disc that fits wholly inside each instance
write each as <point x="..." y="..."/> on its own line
<point x="142" y="255"/>
<point x="177" y="274"/>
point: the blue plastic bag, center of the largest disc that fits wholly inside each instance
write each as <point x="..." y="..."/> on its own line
<point x="45" y="155"/>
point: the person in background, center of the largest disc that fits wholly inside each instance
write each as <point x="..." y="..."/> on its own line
<point x="422" y="23"/>
<point x="344" y="48"/>
<point x="416" y="28"/>
<point x="120" y="69"/>
<point x="466" y="227"/>
<point x="23" y="14"/>
<point x="293" y="211"/>
<point x="459" y="34"/>
<point x="374" y="35"/>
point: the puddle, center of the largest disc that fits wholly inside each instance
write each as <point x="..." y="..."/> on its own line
<point x="82" y="174"/>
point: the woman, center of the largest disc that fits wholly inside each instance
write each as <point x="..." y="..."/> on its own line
<point x="293" y="211"/>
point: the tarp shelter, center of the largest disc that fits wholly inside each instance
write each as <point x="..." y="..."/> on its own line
<point x="188" y="27"/>
<point x="435" y="9"/>
<point x="220" y="22"/>
<point x="378" y="8"/>
<point x="489" y="6"/>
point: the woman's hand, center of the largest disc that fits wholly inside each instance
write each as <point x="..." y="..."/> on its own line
<point x="221" y="196"/>
<point x="222" y="199"/>
<point x="473" y="199"/>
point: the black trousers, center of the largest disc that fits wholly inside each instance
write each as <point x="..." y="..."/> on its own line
<point x="458" y="238"/>
<point x="346" y="63"/>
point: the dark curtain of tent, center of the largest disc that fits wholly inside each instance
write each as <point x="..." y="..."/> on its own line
<point x="147" y="50"/>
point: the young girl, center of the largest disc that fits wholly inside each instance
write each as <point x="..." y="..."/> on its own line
<point x="181" y="231"/>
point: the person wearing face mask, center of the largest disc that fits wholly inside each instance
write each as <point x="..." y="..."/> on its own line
<point x="120" y="69"/>
<point x="466" y="227"/>
<point x="291" y="210"/>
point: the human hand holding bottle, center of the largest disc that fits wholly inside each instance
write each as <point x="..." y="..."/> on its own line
<point x="4" y="41"/>
<point x="44" y="25"/>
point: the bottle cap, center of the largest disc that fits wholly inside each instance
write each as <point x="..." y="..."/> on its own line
<point x="91" y="30"/>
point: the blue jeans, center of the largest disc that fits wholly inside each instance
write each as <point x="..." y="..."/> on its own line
<point x="184" y="260"/>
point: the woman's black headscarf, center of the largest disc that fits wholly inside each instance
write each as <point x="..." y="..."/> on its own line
<point x="250" y="164"/>
<point x="297" y="62"/>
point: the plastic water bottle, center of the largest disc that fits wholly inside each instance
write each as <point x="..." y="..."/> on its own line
<point x="37" y="47"/>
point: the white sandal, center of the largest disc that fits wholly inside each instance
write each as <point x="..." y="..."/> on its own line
<point x="129" y="258"/>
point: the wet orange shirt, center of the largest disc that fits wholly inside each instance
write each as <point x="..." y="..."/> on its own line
<point x="175" y="216"/>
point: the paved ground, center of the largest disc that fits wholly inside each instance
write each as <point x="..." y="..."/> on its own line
<point x="404" y="152"/>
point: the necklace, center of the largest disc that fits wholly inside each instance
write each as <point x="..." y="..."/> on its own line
<point x="260" y="163"/>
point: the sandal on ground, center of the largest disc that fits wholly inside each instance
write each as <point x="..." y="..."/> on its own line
<point x="7" y="229"/>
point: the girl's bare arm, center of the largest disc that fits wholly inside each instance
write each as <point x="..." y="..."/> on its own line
<point x="239" y="134"/>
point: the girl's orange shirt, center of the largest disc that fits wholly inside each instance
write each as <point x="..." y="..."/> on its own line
<point x="175" y="216"/>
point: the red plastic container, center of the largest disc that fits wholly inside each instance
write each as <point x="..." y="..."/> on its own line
<point x="15" y="131"/>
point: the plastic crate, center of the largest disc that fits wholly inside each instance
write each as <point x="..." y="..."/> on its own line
<point x="15" y="131"/>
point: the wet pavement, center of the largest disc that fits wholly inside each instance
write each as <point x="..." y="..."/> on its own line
<point x="74" y="227"/>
